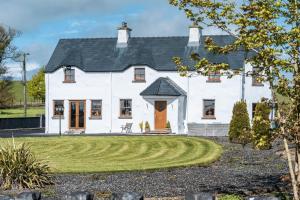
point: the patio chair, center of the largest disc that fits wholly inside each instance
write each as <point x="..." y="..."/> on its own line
<point x="126" y="128"/>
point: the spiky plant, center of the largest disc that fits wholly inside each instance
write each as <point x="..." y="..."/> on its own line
<point x="19" y="168"/>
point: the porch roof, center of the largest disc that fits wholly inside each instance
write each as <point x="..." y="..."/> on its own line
<point x="163" y="86"/>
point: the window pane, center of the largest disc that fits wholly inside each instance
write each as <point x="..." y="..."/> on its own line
<point x="125" y="107"/>
<point x="253" y="109"/>
<point x="96" y="108"/>
<point x="139" y="74"/>
<point x="69" y="74"/>
<point x="209" y="108"/>
<point x="59" y="107"/>
<point x="214" y="76"/>
<point x="255" y="76"/>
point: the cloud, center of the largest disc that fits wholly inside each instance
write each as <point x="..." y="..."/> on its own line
<point x="28" y="14"/>
<point x="44" y="22"/>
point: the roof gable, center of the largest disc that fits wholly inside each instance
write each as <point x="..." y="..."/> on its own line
<point x="163" y="87"/>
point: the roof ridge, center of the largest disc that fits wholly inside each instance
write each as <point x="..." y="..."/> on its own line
<point x="150" y="37"/>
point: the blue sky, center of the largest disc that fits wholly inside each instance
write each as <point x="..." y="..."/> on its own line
<point x="44" y="22"/>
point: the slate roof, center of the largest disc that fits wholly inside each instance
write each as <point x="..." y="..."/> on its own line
<point x="102" y="55"/>
<point x="163" y="86"/>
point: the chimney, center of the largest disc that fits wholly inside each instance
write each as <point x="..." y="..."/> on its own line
<point x="123" y="35"/>
<point x="195" y="35"/>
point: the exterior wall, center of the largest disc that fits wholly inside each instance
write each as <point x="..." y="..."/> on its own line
<point x="253" y="94"/>
<point x="111" y="87"/>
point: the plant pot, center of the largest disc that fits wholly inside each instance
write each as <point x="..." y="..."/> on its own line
<point x="147" y="130"/>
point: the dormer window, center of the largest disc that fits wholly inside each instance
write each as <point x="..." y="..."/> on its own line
<point x="214" y="77"/>
<point x="139" y="75"/>
<point x="69" y="75"/>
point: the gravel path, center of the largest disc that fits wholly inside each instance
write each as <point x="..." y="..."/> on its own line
<point x="238" y="171"/>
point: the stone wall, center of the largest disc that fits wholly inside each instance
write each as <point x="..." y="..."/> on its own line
<point x="217" y="130"/>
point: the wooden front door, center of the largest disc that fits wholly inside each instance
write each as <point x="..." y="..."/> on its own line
<point x="77" y="115"/>
<point x="160" y="114"/>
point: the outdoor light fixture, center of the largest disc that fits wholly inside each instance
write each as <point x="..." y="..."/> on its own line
<point x="60" y="109"/>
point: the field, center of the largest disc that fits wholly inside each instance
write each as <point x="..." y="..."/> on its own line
<point x="17" y="90"/>
<point x="19" y="112"/>
<point x="89" y="154"/>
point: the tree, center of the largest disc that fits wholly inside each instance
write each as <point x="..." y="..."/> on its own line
<point x="261" y="126"/>
<point x="239" y="128"/>
<point x="36" y="85"/>
<point x="269" y="31"/>
<point x="6" y="52"/>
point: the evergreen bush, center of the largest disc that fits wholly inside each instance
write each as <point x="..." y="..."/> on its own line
<point x="261" y="135"/>
<point x="239" y="128"/>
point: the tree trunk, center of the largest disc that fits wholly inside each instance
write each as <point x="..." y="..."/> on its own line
<point x="291" y="168"/>
<point x="297" y="164"/>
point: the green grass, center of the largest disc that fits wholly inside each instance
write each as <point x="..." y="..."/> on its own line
<point x="17" y="91"/>
<point x="19" y="112"/>
<point x="89" y="154"/>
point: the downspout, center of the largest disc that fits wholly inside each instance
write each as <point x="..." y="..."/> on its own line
<point x="110" y="102"/>
<point x="244" y="77"/>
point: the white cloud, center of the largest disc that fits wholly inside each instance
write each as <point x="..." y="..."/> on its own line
<point x="88" y="18"/>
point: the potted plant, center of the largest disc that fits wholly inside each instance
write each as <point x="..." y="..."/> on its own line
<point x="168" y="127"/>
<point x="147" y="127"/>
<point x="141" y="125"/>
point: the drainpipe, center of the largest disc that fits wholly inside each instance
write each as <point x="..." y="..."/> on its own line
<point x="244" y="77"/>
<point x="110" y="102"/>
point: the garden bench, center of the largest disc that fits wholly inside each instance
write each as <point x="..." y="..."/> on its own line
<point x="126" y="128"/>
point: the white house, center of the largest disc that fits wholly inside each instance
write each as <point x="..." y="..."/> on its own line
<point x="104" y="83"/>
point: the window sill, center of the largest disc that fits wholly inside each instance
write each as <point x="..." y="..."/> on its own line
<point x="69" y="81"/>
<point x="257" y="85"/>
<point x="125" y="117"/>
<point x="136" y="81"/>
<point x="95" y="118"/>
<point x="213" y="81"/>
<point x="57" y="117"/>
<point x="213" y="117"/>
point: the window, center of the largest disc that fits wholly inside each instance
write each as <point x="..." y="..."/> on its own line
<point x="58" y="108"/>
<point x="139" y="74"/>
<point x="253" y="109"/>
<point x="96" y="109"/>
<point x="255" y="80"/>
<point x="209" y="109"/>
<point x="214" y="77"/>
<point x="69" y="75"/>
<point x="125" y="108"/>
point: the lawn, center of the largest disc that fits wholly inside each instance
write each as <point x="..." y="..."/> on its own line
<point x="88" y="154"/>
<point x="19" y="112"/>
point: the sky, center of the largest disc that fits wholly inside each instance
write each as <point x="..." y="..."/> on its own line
<point x="43" y="22"/>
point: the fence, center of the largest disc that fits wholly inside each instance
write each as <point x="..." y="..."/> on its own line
<point x="22" y="122"/>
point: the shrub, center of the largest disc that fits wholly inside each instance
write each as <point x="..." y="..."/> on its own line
<point x="239" y="128"/>
<point x="168" y="125"/>
<point x="261" y="135"/>
<point x="19" y="168"/>
<point x="230" y="197"/>
<point x="147" y="126"/>
<point x="141" y="125"/>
